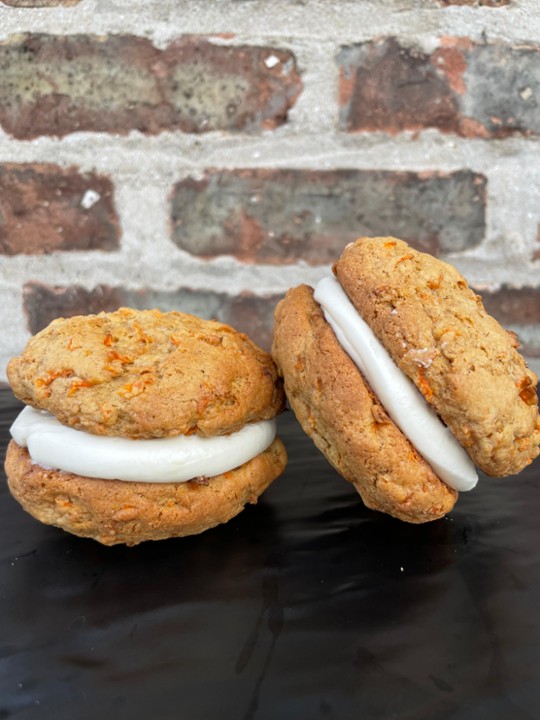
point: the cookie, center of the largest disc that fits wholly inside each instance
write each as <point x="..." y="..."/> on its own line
<point x="394" y="306"/>
<point x="112" y="511"/>
<point x="459" y="357"/>
<point x="142" y="425"/>
<point x="338" y="410"/>
<point x="145" y="373"/>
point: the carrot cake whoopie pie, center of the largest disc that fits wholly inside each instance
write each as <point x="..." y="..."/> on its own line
<point x="403" y="380"/>
<point x="142" y="425"/>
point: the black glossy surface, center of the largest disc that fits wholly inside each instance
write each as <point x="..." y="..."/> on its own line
<point x="305" y="606"/>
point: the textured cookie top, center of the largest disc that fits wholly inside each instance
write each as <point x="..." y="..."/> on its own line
<point x="436" y="329"/>
<point x="146" y="374"/>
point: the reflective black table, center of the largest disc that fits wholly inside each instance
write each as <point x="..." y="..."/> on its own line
<point x="307" y="606"/>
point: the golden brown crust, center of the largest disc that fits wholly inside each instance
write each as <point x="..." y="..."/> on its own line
<point x="145" y="374"/>
<point x="461" y="359"/>
<point x="340" y="413"/>
<point x="112" y="512"/>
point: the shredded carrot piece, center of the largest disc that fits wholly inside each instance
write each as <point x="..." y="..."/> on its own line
<point x="527" y="391"/>
<point x="78" y="384"/>
<point x="71" y="347"/>
<point x="131" y="390"/>
<point x="434" y="284"/>
<point x="124" y="359"/>
<point x="143" y="337"/>
<point x="409" y="256"/>
<point x="46" y="380"/>
<point x="210" y="339"/>
<point x="423" y="384"/>
<point x="105" y="411"/>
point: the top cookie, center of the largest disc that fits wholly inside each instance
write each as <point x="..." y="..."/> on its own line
<point x="144" y="374"/>
<point x="463" y="362"/>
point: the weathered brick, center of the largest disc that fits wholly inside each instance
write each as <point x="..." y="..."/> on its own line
<point x="514" y="305"/>
<point x="519" y="309"/>
<point x="252" y="315"/>
<point x="475" y="90"/>
<point x="44" y="208"/>
<point x="384" y="86"/>
<point x="505" y="89"/>
<point x="43" y="303"/>
<point x="54" y="85"/>
<point x="247" y="313"/>
<point x="282" y="216"/>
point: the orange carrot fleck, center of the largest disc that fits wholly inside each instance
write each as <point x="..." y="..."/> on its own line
<point x="77" y="384"/>
<point x="131" y="390"/>
<point x="423" y="384"/>
<point x="105" y="411"/>
<point x="124" y="359"/>
<point x="70" y="345"/>
<point x="143" y="337"/>
<point x="409" y="256"/>
<point x="434" y="284"/>
<point x="46" y="380"/>
<point x="527" y="391"/>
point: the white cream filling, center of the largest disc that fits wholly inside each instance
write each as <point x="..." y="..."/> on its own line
<point x="159" y="460"/>
<point x="398" y="395"/>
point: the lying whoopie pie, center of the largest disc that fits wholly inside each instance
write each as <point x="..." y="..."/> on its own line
<point x="142" y="425"/>
<point x="403" y="381"/>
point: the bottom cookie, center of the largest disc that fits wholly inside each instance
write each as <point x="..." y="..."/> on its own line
<point x="114" y="512"/>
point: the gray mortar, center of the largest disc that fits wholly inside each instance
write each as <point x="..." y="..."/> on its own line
<point x="144" y="169"/>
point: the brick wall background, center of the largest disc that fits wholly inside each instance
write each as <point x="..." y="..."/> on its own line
<point x="206" y="156"/>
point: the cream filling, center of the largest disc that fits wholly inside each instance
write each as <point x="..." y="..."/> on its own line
<point x="398" y="395"/>
<point x="158" y="460"/>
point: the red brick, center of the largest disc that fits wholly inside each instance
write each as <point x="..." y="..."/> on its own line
<point x="282" y="216"/>
<point x="475" y="90"/>
<point x="45" y="208"/>
<point x="252" y="315"/>
<point x="514" y="305"/>
<point x="53" y="85"/>
<point x="517" y="307"/>
<point x="384" y="86"/>
<point x="43" y="303"/>
<point x="247" y="313"/>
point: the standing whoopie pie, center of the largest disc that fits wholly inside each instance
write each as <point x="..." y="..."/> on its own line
<point x="403" y="381"/>
<point x="142" y="425"/>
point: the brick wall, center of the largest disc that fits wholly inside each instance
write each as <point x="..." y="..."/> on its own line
<point x="207" y="156"/>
